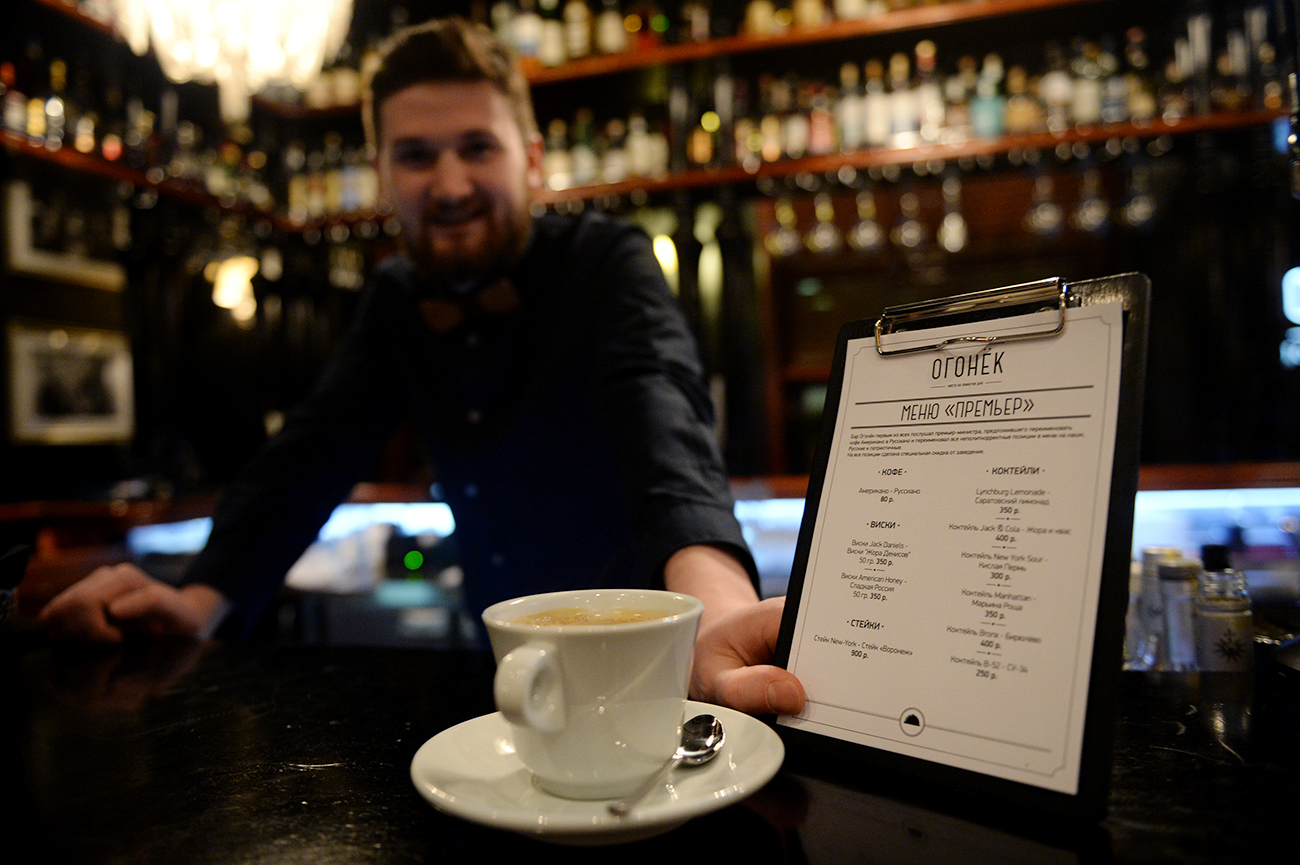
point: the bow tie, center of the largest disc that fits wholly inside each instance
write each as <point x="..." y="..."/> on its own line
<point x="445" y="314"/>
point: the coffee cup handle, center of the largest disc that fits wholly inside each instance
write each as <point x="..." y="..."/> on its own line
<point x="528" y="688"/>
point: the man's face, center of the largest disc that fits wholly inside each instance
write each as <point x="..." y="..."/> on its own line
<point x="460" y="176"/>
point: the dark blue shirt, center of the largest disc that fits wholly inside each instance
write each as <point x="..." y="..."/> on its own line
<point x="572" y="438"/>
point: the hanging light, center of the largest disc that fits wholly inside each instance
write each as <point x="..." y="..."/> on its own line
<point x="240" y="45"/>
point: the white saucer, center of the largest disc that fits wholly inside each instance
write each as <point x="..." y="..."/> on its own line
<point x="471" y="771"/>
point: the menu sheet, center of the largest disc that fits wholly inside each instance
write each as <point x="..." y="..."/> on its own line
<point x="948" y="607"/>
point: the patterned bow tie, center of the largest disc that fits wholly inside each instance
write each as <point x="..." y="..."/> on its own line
<point x="445" y="314"/>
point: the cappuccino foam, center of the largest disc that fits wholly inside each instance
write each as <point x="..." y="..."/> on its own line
<point x="584" y="616"/>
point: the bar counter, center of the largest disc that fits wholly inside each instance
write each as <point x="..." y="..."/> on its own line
<point x="268" y="753"/>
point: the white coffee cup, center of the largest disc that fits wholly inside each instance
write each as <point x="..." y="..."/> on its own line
<point x="594" y="708"/>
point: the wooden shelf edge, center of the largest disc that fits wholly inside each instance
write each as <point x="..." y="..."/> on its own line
<point x="891" y="156"/>
<point x="1219" y="476"/>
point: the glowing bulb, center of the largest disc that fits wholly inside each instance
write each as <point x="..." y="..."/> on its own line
<point x="1291" y="295"/>
<point x="232" y="282"/>
<point x="666" y="252"/>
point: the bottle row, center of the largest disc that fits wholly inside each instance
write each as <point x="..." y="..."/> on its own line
<point x="551" y="33"/>
<point x="851" y="220"/>
<point x="61" y="109"/>
<point x="710" y="118"/>
<point x="907" y="101"/>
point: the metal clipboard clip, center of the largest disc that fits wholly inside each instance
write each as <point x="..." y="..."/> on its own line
<point x="978" y="304"/>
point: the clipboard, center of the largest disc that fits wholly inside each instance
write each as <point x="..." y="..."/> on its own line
<point x="871" y="719"/>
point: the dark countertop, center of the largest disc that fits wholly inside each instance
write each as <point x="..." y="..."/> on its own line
<point x="241" y="753"/>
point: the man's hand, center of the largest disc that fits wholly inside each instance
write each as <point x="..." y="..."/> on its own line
<point x="120" y="599"/>
<point x="732" y="663"/>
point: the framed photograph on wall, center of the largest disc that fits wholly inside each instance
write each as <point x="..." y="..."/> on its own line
<point x="69" y="385"/>
<point x="52" y="239"/>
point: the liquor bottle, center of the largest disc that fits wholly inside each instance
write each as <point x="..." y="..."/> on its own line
<point x="795" y="128"/>
<point x="1056" y="87"/>
<point x="1230" y="87"/>
<point x="988" y="107"/>
<point x="823" y="237"/>
<point x="1088" y="85"/>
<point x="111" y="142"/>
<point x="928" y="94"/>
<point x="727" y="98"/>
<point x="850" y="10"/>
<point x="610" y="33"/>
<point x="849" y="121"/>
<point x="528" y="32"/>
<point x="577" y="29"/>
<point x="1114" y="91"/>
<point x="1141" y="93"/>
<point x="1091" y="213"/>
<point x="15" y="102"/>
<point x="1174" y="92"/>
<point x="694" y="21"/>
<point x="350" y="181"/>
<point x="908" y="233"/>
<point x="866" y="235"/>
<point x="293" y="159"/>
<point x="679" y="118"/>
<point x="367" y="182"/>
<point x="958" y="90"/>
<point x="613" y="159"/>
<point x="1024" y="114"/>
<point x="185" y="167"/>
<point x="904" y="110"/>
<point x="583" y="163"/>
<point x="84" y="118"/>
<point x="169" y="108"/>
<point x="1225" y="634"/>
<point x="56" y="106"/>
<point x="953" y="232"/>
<point x="557" y="162"/>
<point x="35" y="89"/>
<point x="784" y="238"/>
<point x="760" y="18"/>
<point x="1045" y="216"/>
<point x="333" y="173"/>
<point x="1199" y="60"/>
<point x="771" y="145"/>
<point x="657" y="137"/>
<point x="640" y="155"/>
<point x="139" y="142"/>
<point x="1266" y="85"/>
<point x="503" y="15"/>
<point x="808" y="13"/>
<point x="815" y="102"/>
<point x="551" y="48"/>
<point x="1138" y="208"/>
<point x="252" y="179"/>
<point x="317" y="203"/>
<point x="876" y="113"/>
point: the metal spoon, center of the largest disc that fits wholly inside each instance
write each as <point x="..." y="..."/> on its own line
<point x="702" y="739"/>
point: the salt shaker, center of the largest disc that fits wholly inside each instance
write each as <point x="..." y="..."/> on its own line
<point x="1225" y="632"/>
<point x="1146" y="616"/>
<point x="1177" y="651"/>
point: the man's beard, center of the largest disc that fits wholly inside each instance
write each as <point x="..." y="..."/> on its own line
<point x="499" y="248"/>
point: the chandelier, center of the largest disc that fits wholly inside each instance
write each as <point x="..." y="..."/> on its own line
<point x="240" y="45"/>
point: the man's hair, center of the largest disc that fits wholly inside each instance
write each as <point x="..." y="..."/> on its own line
<point x="447" y="49"/>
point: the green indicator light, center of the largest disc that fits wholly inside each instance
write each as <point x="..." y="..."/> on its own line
<point x="413" y="560"/>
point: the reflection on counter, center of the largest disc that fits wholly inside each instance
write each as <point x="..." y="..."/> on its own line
<point x="395" y="562"/>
